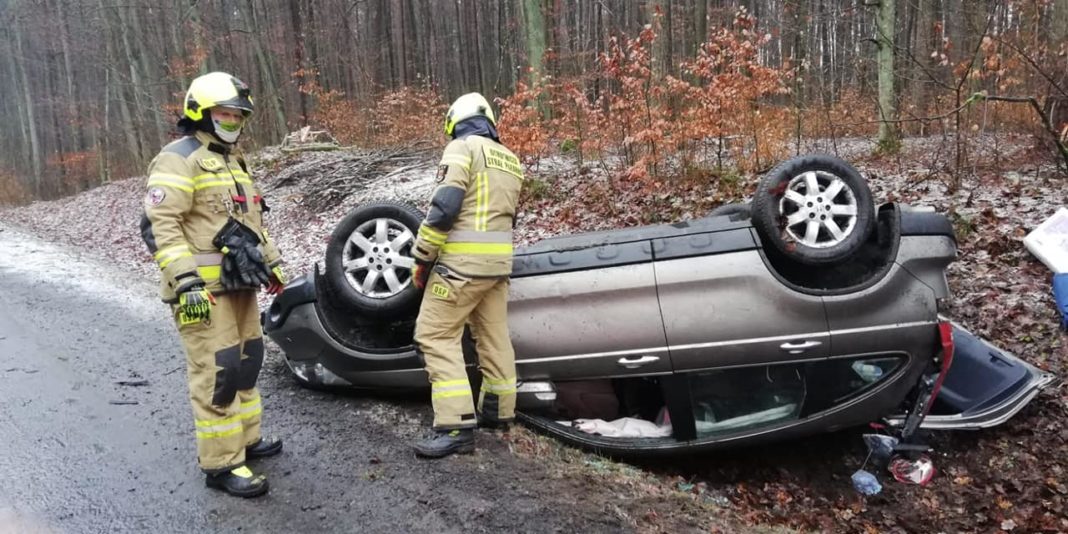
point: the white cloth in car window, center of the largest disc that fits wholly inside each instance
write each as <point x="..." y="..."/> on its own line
<point x="627" y="427"/>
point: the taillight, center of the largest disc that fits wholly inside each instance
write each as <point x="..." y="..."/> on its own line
<point x="945" y="332"/>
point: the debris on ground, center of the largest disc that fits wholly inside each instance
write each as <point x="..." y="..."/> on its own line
<point x="308" y="140"/>
<point x="132" y="383"/>
<point x="1049" y="241"/>
<point x="865" y="483"/>
<point x="912" y="471"/>
<point x="324" y="181"/>
<point x="880" y="447"/>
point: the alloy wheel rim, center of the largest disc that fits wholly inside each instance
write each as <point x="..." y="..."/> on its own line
<point x="377" y="258"/>
<point x="819" y="209"/>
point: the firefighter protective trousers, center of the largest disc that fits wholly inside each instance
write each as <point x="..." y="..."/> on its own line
<point x="449" y="302"/>
<point x="224" y="355"/>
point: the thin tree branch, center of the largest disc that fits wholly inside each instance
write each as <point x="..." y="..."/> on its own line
<point x="1046" y="123"/>
<point x="1034" y="65"/>
<point x="975" y="53"/>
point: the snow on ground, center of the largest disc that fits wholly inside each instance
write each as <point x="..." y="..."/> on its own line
<point x="67" y="266"/>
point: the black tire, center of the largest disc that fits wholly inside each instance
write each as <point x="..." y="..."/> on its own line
<point x="385" y="299"/>
<point x="737" y="211"/>
<point x="773" y="207"/>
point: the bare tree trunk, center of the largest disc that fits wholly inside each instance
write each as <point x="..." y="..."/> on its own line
<point x="888" y="134"/>
<point x="150" y="108"/>
<point x="660" y="18"/>
<point x="414" y="18"/>
<point x="129" y="132"/>
<point x="134" y="87"/>
<point x="1059" y="21"/>
<point x="534" y="18"/>
<point x="23" y="139"/>
<point x="72" y="106"/>
<point x="104" y="142"/>
<point x="480" y="67"/>
<point x="311" y="35"/>
<point x="397" y="42"/>
<point x="267" y="74"/>
<point x="31" y="119"/>
<point x="51" y="80"/>
<point x="701" y="23"/>
<point x="298" y="52"/>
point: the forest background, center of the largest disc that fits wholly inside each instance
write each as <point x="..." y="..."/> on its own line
<point x="649" y="90"/>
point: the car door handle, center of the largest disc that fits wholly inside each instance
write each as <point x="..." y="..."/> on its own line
<point x="635" y="363"/>
<point x="798" y="348"/>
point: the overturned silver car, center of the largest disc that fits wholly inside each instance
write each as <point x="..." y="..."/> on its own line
<point x="807" y="311"/>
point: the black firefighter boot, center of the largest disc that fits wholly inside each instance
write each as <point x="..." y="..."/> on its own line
<point x="263" y="448"/>
<point x="240" y="482"/>
<point x="445" y="442"/>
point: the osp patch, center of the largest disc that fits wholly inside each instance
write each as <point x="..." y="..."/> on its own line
<point x="440" y="291"/>
<point x="155" y="196"/>
<point x="442" y="171"/>
<point x="210" y="164"/>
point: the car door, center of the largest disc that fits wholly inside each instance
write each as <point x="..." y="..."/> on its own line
<point x="590" y="312"/>
<point x="723" y="308"/>
<point x="897" y="314"/>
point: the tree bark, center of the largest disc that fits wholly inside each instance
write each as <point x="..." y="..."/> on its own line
<point x="885" y="24"/>
<point x="534" y="22"/>
<point x="298" y="53"/>
<point x="68" y="75"/>
<point x="700" y="23"/>
<point x="140" y="72"/>
<point x="31" y="119"/>
<point x="267" y="73"/>
<point x="24" y="157"/>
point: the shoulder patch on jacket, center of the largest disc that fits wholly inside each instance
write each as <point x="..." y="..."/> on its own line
<point x="183" y="147"/>
<point x="155" y="196"/>
<point x="502" y="159"/>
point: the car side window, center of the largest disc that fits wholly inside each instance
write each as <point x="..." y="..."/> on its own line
<point x="731" y="400"/>
<point x="833" y="382"/>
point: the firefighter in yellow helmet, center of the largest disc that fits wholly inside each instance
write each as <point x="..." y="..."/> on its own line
<point x="463" y="260"/>
<point x="203" y="223"/>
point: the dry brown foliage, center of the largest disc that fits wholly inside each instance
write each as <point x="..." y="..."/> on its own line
<point x="648" y="127"/>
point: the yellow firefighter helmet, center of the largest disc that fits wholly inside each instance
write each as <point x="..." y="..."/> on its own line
<point x="465" y="107"/>
<point x="216" y="89"/>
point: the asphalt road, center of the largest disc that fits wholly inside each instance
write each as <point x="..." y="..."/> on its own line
<point x="80" y="451"/>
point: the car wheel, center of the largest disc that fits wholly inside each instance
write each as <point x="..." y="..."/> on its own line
<point x="369" y="260"/>
<point x="815" y="209"/>
<point x="736" y="211"/>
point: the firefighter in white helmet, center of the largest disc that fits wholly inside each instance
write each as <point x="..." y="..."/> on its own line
<point x="203" y="223"/>
<point x="463" y="260"/>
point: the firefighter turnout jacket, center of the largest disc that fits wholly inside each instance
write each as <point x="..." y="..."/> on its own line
<point x="195" y="185"/>
<point x="468" y="228"/>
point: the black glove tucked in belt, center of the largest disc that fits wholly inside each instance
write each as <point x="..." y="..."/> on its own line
<point x="242" y="266"/>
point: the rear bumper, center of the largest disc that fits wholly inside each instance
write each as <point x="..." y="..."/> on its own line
<point x="317" y="359"/>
